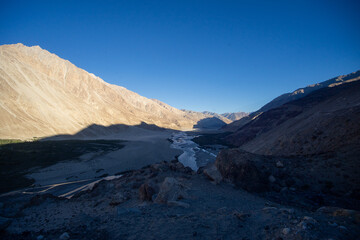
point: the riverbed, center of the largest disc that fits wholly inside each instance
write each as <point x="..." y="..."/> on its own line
<point x="193" y="155"/>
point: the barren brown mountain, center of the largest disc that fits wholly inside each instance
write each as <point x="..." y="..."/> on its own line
<point x="323" y="121"/>
<point x="43" y="95"/>
<point x="311" y="144"/>
<point x="288" y="97"/>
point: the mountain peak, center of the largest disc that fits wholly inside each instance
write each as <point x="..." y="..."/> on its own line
<point x="43" y="94"/>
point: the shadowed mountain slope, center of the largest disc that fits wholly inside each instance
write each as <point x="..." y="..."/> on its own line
<point x="302" y="92"/>
<point x="323" y="121"/>
<point x="310" y="145"/>
<point x="297" y="94"/>
<point x="210" y="123"/>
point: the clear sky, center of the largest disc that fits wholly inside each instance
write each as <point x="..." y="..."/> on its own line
<point x="221" y="56"/>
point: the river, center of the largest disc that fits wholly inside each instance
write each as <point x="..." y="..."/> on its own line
<point x="193" y="156"/>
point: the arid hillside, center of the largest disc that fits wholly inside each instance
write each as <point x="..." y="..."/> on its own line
<point x="43" y="95"/>
<point x="326" y="120"/>
<point x="311" y="144"/>
<point x="295" y="95"/>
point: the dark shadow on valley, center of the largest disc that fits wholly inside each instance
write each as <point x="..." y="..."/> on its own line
<point x="18" y="158"/>
<point x="95" y="131"/>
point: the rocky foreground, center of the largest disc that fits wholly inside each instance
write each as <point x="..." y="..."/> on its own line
<point x="169" y="201"/>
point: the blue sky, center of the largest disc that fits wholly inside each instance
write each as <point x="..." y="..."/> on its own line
<point x="221" y="56"/>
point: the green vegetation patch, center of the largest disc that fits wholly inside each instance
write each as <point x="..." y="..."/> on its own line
<point x="18" y="159"/>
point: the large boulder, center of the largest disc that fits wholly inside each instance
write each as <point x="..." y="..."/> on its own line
<point x="170" y="190"/>
<point x="212" y="173"/>
<point x="146" y="191"/>
<point x="241" y="168"/>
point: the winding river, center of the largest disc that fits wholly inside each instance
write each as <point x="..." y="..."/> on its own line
<point x="193" y="156"/>
<point x="183" y="142"/>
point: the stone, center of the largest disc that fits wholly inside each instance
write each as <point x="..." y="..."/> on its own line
<point x="64" y="236"/>
<point x="154" y="197"/>
<point x="157" y="167"/>
<point x="269" y="209"/>
<point x="307" y="223"/>
<point x="287" y="210"/>
<point x="212" y="173"/>
<point x="118" y="198"/>
<point x="241" y="168"/>
<point x="170" y="190"/>
<point x="333" y="224"/>
<point x="309" y="219"/>
<point x="286" y="231"/>
<point x="146" y="191"/>
<point x="343" y="228"/>
<point x="178" y="204"/>
<point x="279" y="164"/>
<point x="241" y="216"/>
<point x="272" y="179"/>
<point x="341" y="212"/>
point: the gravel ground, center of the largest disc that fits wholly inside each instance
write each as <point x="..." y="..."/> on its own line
<point x="168" y="201"/>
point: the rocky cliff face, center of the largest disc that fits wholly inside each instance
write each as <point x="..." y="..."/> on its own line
<point x="43" y="95"/>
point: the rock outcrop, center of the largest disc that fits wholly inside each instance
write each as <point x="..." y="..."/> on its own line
<point x="146" y="192"/>
<point x="212" y="173"/>
<point x="324" y="173"/>
<point x="170" y="190"/>
<point x="242" y="169"/>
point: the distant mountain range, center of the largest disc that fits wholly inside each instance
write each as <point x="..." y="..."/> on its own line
<point x="44" y="95"/>
<point x="231" y="116"/>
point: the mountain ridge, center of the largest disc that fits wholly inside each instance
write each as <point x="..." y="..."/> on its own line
<point x="43" y="95"/>
<point x="324" y="120"/>
<point x="294" y="95"/>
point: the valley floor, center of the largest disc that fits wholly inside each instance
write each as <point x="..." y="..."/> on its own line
<point x="168" y="201"/>
<point x="61" y="160"/>
<point x="154" y="198"/>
